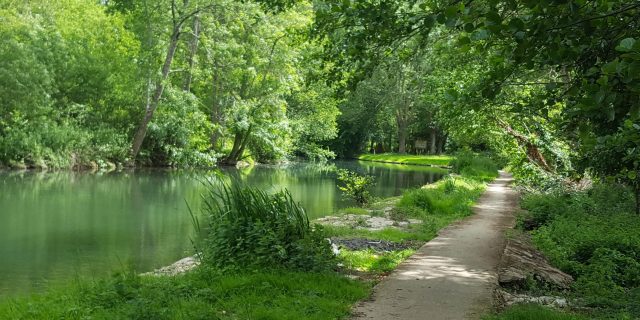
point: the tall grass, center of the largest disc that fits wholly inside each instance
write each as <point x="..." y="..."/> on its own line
<point x="252" y="229"/>
<point x="474" y="166"/>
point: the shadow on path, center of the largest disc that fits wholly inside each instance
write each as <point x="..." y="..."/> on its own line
<point x="453" y="275"/>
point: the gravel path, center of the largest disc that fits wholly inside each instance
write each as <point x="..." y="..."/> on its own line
<point x="452" y="276"/>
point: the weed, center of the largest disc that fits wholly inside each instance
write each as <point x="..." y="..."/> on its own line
<point x="355" y="186"/>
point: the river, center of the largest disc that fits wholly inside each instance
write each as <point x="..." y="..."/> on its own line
<point x="57" y="226"/>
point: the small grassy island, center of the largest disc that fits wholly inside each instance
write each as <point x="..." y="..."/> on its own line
<point x="420" y="160"/>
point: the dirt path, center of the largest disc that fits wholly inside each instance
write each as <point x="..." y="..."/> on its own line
<point x="452" y="276"/>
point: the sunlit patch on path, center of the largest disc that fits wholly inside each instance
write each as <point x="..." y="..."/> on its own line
<point x="453" y="275"/>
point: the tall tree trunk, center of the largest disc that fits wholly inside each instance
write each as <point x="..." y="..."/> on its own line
<point x="193" y="50"/>
<point x="433" y="138"/>
<point x="402" y="137"/>
<point x="152" y="105"/>
<point x="441" y="143"/>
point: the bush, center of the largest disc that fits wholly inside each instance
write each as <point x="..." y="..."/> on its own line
<point x="594" y="236"/>
<point x="474" y="166"/>
<point x="447" y="197"/>
<point x="355" y="186"/>
<point x="251" y="229"/>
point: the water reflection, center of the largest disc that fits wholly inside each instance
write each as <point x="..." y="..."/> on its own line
<point x="57" y="225"/>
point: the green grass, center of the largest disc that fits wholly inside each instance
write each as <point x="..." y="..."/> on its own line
<point x="353" y="210"/>
<point x="374" y="262"/>
<point x="404" y="167"/>
<point x="197" y="295"/>
<point x="433" y="160"/>
<point x="449" y="199"/>
<point x="532" y="312"/>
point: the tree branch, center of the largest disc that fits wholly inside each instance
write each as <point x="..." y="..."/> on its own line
<point x="613" y="13"/>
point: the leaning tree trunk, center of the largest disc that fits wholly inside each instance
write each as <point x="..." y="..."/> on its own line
<point x="532" y="151"/>
<point x="239" y="144"/>
<point x="193" y="49"/>
<point x="152" y="105"/>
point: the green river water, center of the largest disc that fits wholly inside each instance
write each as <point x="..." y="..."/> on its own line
<point x="57" y="226"/>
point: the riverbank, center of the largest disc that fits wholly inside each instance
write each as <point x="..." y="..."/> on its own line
<point x="278" y="294"/>
<point x="441" y="161"/>
<point x="592" y="235"/>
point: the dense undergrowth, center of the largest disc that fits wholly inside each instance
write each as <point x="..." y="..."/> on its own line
<point x="261" y="259"/>
<point x="593" y="235"/>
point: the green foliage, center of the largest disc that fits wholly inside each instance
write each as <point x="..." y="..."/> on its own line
<point x="533" y="312"/>
<point x="435" y="160"/>
<point x="251" y="229"/>
<point x="372" y="261"/>
<point x="592" y="235"/>
<point x="64" y="84"/>
<point x="471" y="165"/>
<point x="440" y="199"/>
<point x="355" y="186"/>
<point x="202" y="294"/>
<point x="179" y="136"/>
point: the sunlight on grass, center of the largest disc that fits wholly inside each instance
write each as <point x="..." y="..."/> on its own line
<point x="372" y="261"/>
<point x="436" y="160"/>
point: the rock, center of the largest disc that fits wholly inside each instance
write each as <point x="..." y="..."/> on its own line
<point x="365" y="221"/>
<point x="378" y="223"/>
<point x="504" y="299"/>
<point x="521" y="261"/>
<point x="376" y="245"/>
<point x="178" y="267"/>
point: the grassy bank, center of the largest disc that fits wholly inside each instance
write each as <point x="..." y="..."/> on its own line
<point x="436" y="205"/>
<point x="593" y="235"/>
<point x="201" y="294"/>
<point x="422" y="160"/>
<point x="263" y="260"/>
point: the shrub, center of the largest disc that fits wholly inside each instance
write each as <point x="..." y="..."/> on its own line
<point x="419" y="198"/>
<point x="474" y="166"/>
<point x="251" y="229"/>
<point x="355" y="186"/>
<point x="593" y="235"/>
<point x="449" y="184"/>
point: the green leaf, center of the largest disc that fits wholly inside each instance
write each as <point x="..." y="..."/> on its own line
<point x="464" y="40"/>
<point x="626" y="45"/>
<point x="480" y="34"/>
<point x="451" y="11"/>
